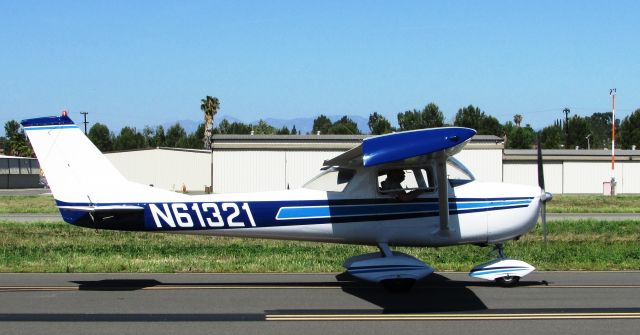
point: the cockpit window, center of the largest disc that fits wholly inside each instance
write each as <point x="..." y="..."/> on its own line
<point x="395" y="180"/>
<point x="331" y="180"/>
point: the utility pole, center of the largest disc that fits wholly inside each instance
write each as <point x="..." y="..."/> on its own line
<point x="612" y="93"/>
<point x="566" y="126"/>
<point x="85" y="121"/>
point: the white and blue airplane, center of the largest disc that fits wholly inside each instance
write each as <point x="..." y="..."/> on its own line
<point x="400" y="189"/>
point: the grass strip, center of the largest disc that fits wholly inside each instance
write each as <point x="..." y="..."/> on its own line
<point x="28" y="204"/>
<point x="59" y="247"/>
<point x="563" y="203"/>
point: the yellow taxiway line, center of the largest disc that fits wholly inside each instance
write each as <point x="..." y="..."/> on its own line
<point x="449" y="317"/>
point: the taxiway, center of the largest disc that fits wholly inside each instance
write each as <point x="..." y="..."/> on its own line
<point x="446" y="303"/>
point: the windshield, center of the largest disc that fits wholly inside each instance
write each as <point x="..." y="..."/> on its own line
<point x="457" y="173"/>
<point x="331" y="180"/>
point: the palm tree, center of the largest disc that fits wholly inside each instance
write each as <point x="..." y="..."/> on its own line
<point x="517" y="119"/>
<point x="209" y="105"/>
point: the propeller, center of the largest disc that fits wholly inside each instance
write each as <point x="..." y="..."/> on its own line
<point x="545" y="196"/>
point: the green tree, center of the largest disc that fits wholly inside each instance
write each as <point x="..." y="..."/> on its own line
<point x="159" y="137"/>
<point x="629" y="131"/>
<point x="283" y="131"/>
<point x="239" y="128"/>
<point x="321" y="124"/>
<point x="409" y="120"/>
<point x="227" y="128"/>
<point x="101" y="137"/>
<point x="432" y="116"/>
<point x="209" y="105"/>
<point x="263" y="128"/>
<point x="517" y="119"/>
<point x="193" y="140"/>
<point x="175" y="133"/>
<point x="600" y="127"/>
<point x="294" y="131"/>
<point x="344" y="126"/>
<point x="429" y="117"/>
<point x="551" y="137"/>
<point x="578" y="132"/>
<point x="223" y="127"/>
<point x="521" y="138"/>
<point x="11" y="128"/>
<point x="16" y="143"/>
<point x="473" y="117"/>
<point x="149" y="137"/>
<point x="379" y="124"/>
<point x="128" y="139"/>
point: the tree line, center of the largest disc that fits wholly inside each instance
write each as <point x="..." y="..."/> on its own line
<point x="584" y="132"/>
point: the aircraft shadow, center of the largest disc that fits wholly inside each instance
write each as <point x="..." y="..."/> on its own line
<point x="436" y="293"/>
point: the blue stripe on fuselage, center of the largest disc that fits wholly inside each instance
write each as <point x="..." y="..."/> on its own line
<point x="311" y="212"/>
<point x="232" y="215"/>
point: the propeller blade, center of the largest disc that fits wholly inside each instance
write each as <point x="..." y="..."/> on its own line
<point x="543" y="196"/>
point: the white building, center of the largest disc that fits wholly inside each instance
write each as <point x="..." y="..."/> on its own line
<point x="246" y="163"/>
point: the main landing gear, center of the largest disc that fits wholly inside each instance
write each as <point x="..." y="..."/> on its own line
<point x="506" y="272"/>
<point x="396" y="271"/>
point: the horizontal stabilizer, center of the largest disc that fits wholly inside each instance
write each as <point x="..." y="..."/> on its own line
<point x="94" y="209"/>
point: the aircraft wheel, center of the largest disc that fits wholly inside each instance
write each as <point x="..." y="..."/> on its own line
<point x="508" y="281"/>
<point x="398" y="285"/>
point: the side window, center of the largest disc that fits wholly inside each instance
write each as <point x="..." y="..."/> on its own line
<point x="403" y="180"/>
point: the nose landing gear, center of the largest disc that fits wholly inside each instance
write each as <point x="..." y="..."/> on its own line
<point x="504" y="271"/>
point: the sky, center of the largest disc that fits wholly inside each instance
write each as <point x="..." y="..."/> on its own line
<point x="142" y="63"/>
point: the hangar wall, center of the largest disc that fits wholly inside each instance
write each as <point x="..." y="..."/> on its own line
<point x="248" y="166"/>
<point x="19" y="172"/>
<point x="574" y="171"/>
<point x="165" y="168"/>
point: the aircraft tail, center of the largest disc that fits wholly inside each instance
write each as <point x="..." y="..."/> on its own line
<point x="76" y="171"/>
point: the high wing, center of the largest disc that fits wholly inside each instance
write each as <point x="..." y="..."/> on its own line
<point x="411" y="147"/>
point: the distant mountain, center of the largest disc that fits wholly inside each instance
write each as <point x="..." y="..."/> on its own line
<point x="303" y="124"/>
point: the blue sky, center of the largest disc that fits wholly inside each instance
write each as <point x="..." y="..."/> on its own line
<point x="150" y="62"/>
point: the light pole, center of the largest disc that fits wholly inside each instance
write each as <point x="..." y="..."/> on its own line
<point x="85" y="121"/>
<point x="588" y="142"/>
<point x="566" y="112"/>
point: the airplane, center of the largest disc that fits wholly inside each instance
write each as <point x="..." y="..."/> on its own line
<point x="398" y="189"/>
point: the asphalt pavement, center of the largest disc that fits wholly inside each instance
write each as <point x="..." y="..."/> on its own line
<point x="445" y="303"/>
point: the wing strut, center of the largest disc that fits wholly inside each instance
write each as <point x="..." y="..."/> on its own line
<point x="443" y="192"/>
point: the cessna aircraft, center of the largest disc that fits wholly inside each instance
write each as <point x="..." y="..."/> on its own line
<point x="399" y="189"/>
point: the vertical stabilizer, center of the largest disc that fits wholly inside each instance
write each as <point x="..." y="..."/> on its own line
<point x="76" y="170"/>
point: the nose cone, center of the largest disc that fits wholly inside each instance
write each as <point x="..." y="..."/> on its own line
<point x="518" y="219"/>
